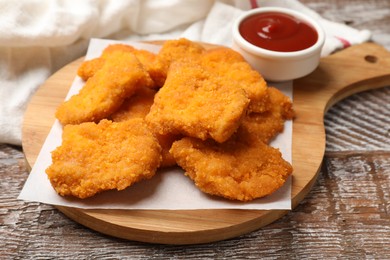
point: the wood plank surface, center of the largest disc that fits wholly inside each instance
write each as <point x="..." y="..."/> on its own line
<point x="346" y="215"/>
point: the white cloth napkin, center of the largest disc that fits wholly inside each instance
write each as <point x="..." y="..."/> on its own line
<point x="39" y="37"/>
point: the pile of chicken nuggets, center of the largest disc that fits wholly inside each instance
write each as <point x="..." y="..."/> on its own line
<point x="205" y="110"/>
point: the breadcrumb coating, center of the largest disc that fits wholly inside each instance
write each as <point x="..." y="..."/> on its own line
<point x="236" y="169"/>
<point x="105" y="156"/>
<point x="88" y="68"/>
<point x="171" y="51"/>
<point x="195" y="103"/>
<point x="121" y="75"/>
<point x="230" y="64"/>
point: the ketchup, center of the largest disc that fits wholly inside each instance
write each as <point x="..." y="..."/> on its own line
<point x="278" y="32"/>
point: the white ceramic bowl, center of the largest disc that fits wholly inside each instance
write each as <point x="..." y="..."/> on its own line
<point x="278" y="65"/>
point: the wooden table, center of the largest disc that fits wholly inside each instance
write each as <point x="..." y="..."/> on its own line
<point x="346" y="215"/>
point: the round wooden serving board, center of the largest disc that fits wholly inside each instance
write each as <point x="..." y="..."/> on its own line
<point x="355" y="69"/>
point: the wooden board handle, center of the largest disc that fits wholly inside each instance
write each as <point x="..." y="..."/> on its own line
<point x="357" y="68"/>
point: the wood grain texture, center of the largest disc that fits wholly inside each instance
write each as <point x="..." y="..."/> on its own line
<point x="339" y="219"/>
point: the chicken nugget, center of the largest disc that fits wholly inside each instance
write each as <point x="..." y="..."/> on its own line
<point x="236" y="169"/>
<point x="230" y="64"/>
<point x="138" y="106"/>
<point x="268" y="124"/>
<point x="195" y="103"/>
<point x="88" y="68"/>
<point x="174" y="50"/>
<point x="117" y="47"/>
<point x="222" y="54"/>
<point x="105" y="156"/>
<point x="146" y="58"/>
<point x="121" y="75"/>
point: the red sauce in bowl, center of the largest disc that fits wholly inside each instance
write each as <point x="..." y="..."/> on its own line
<point x="278" y="32"/>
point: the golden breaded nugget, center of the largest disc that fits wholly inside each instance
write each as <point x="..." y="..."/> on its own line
<point x="121" y="75"/>
<point x="117" y="47"/>
<point x="173" y="50"/>
<point x="196" y="103"/>
<point x="138" y="106"/>
<point x="88" y="68"/>
<point x="146" y="58"/>
<point x="105" y="156"/>
<point x="231" y="65"/>
<point x="268" y="124"/>
<point x="235" y="169"/>
<point x="222" y="54"/>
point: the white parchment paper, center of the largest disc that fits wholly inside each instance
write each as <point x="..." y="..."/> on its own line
<point x="168" y="189"/>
